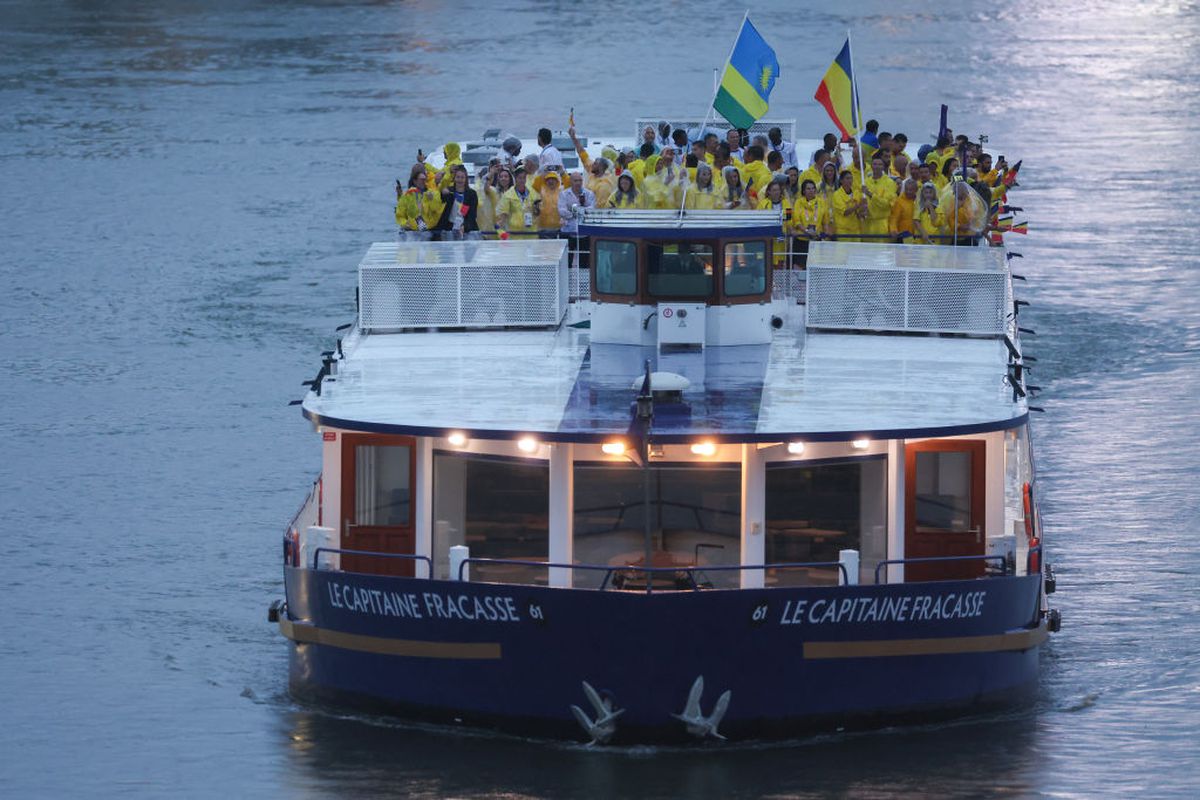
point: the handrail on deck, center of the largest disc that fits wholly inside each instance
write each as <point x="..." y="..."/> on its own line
<point x="650" y="571"/>
<point x="405" y="556"/>
<point x="882" y="565"/>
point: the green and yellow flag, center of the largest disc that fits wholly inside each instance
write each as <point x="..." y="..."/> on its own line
<point x="748" y="80"/>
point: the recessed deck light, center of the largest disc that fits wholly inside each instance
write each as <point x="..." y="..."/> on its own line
<point x="527" y="444"/>
<point x="795" y="448"/>
<point x="704" y="449"/>
<point x="613" y="448"/>
<point x="457" y="439"/>
<point x="860" y="444"/>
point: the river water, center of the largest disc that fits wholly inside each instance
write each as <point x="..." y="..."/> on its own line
<point x="185" y="189"/>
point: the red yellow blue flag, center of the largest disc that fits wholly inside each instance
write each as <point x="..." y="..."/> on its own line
<point x="748" y="80"/>
<point x="838" y="92"/>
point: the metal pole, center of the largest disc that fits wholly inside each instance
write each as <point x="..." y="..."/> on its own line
<point x="645" y="418"/>
<point x="649" y="528"/>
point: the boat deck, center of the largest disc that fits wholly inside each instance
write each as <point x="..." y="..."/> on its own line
<point x="555" y="383"/>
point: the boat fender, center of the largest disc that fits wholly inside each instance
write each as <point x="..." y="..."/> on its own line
<point x="291" y="548"/>
<point x="1030" y="530"/>
<point x="1054" y="621"/>
<point x="1050" y="582"/>
<point x="277" y="609"/>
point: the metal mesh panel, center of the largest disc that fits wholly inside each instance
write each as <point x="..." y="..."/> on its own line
<point x="788" y="284"/>
<point x="931" y="289"/>
<point x="956" y="302"/>
<point x="855" y="299"/>
<point x="519" y="295"/>
<point x="475" y="285"/>
<point x="786" y="126"/>
<point x="581" y="284"/>
<point x="391" y="297"/>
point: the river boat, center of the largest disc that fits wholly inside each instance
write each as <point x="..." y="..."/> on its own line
<point x="663" y="489"/>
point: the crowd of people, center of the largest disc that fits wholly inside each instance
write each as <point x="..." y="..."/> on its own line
<point x="868" y="190"/>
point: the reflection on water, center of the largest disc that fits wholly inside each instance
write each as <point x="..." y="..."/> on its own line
<point x="186" y="189"/>
<point x="370" y="756"/>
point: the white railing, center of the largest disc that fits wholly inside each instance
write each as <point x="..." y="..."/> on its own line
<point x="906" y="288"/>
<point x="482" y="284"/>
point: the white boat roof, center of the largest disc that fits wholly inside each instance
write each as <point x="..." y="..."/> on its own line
<point x="559" y="386"/>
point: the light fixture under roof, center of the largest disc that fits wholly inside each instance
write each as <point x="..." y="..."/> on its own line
<point x="704" y="449"/>
<point x="860" y="444"/>
<point x="614" y="448"/>
<point x="527" y="444"/>
<point x="458" y="438"/>
<point x="795" y="448"/>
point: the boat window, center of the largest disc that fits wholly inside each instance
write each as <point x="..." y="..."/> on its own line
<point x="695" y="516"/>
<point x="498" y="507"/>
<point x="745" y="268"/>
<point x="816" y="509"/>
<point x="616" y="267"/>
<point x="679" y="269"/>
<point x="381" y="486"/>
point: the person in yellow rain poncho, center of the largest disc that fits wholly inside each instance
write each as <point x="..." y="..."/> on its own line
<point x="942" y="177"/>
<point x="702" y="195"/>
<point x="757" y="174"/>
<point x="452" y="151"/>
<point x="927" y="217"/>
<point x="600" y="178"/>
<point x="791" y="189"/>
<point x="664" y="184"/>
<point x="419" y="207"/>
<point x="492" y="185"/>
<point x="829" y="185"/>
<point x="734" y="196"/>
<point x="810" y="222"/>
<point x="964" y="214"/>
<point x="627" y="194"/>
<point x="546" y="206"/>
<point x="515" y="212"/>
<point x="847" y="209"/>
<point x="810" y="215"/>
<point x="773" y="199"/>
<point x="880" y="192"/>
<point x="900" y="221"/>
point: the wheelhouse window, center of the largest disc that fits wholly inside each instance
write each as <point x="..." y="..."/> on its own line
<point x="616" y="267"/>
<point x="745" y="268"/>
<point x="499" y="507"/>
<point x="679" y="269"/>
<point x="816" y="509"/>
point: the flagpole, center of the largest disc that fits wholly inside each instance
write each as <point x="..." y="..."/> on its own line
<point x="708" y="114"/>
<point x="862" y="168"/>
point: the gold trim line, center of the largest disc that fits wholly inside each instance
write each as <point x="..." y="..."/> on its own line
<point x="999" y="642"/>
<point x="305" y="633"/>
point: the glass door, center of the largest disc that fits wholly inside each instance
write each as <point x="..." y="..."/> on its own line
<point x="378" y="474"/>
<point x="944" y="508"/>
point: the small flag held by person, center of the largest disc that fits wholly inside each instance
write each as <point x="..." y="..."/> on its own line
<point x="748" y="80"/>
<point x="1021" y="228"/>
<point x="1010" y="177"/>
<point x="838" y="93"/>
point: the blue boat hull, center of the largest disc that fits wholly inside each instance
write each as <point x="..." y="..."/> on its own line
<point x="795" y="660"/>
